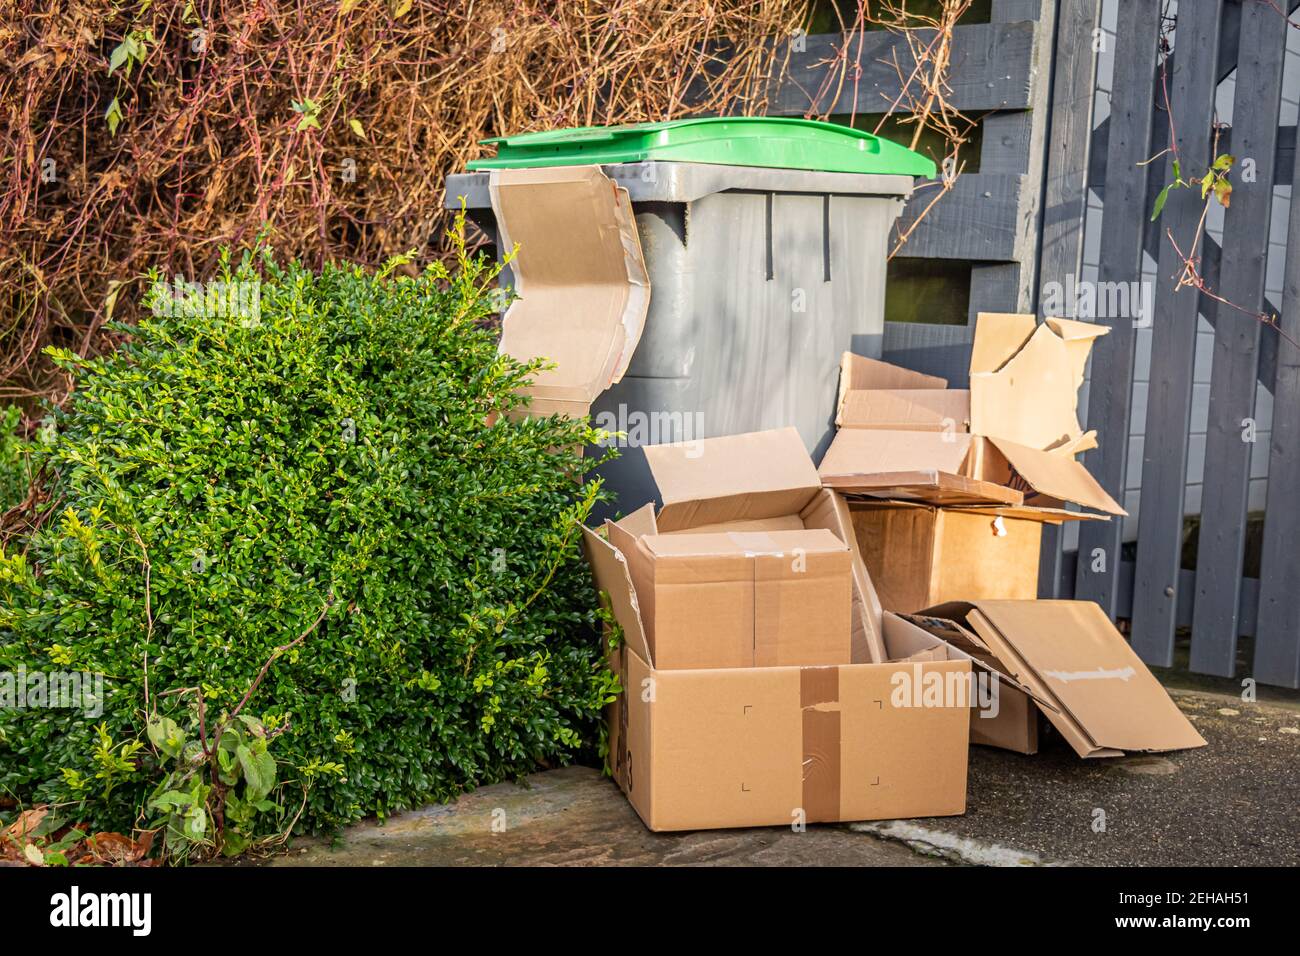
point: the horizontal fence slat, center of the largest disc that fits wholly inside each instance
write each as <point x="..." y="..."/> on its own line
<point x="942" y="350"/>
<point x="1228" y="441"/>
<point x="1123" y="218"/>
<point x="1169" y="391"/>
<point x="978" y="219"/>
<point x="991" y="68"/>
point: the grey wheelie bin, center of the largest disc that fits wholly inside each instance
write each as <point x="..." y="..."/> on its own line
<point x="765" y="242"/>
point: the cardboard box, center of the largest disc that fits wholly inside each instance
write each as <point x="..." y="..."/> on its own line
<point x="581" y="280"/>
<point x="742" y="599"/>
<point x="1079" y="671"/>
<point x="919" y="555"/>
<point x="759" y="746"/>
<point x="756" y="482"/>
<point x="1010" y="439"/>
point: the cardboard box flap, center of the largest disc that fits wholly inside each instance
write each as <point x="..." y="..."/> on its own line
<point x="610" y="571"/>
<point x="998" y="337"/>
<point x="1078" y="338"/>
<point x="919" y="409"/>
<point x="640" y="522"/>
<point x="743" y="543"/>
<point x="921" y="466"/>
<point x="1056" y="516"/>
<point x="858" y="371"/>
<point x="580" y="277"/>
<point x="863" y="451"/>
<point x="1089" y="668"/>
<point x="1057" y="476"/>
<point x="736" y="477"/>
<point x="1032" y="399"/>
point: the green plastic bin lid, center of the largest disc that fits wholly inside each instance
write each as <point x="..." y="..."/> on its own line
<point x="772" y="142"/>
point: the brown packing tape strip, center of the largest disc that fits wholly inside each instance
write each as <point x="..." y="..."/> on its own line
<point x="819" y="701"/>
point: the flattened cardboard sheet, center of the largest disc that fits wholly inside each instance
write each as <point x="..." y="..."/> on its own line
<point x="1068" y="652"/>
<point x="583" y="290"/>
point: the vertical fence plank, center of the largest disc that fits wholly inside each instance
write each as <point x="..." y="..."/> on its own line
<point x="1132" y="108"/>
<point x="1074" y="76"/>
<point x="1228" y="443"/>
<point x="1277" y="630"/>
<point x="1169" y="392"/>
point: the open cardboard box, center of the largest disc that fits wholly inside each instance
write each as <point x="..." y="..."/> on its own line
<point x="1067" y="658"/>
<point x="918" y="555"/>
<point x="698" y="748"/>
<point x="740" y="599"/>
<point x="760" y="482"/>
<point x="759" y="746"/>
<point x="1010" y="439"/>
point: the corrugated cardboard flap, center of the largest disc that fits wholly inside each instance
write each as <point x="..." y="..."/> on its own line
<point x="865" y="451"/>
<point x="609" y="568"/>
<point x="916" y="409"/>
<point x="858" y="372"/>
<point x="1057" y="475"/>
<point x="917" y="465"/>
<point x="1070" y="652"/>
<point x="1025" y="380"/>
<point x="736" y="477"/>
<point x="580" y="276"/>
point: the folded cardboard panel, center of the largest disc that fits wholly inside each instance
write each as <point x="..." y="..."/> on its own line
<point x="1081" y="671"/>
<point x="931" y="466"/>
<point x="581" y="280"/>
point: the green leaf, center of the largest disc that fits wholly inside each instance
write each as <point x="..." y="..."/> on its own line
<point x="1160" y="202"/>
<point x="1224" y="162"/>
<point x="166" y="735"/>
<point x="357" y="128"/>
<point x="120" y="55"/>
<point x="196" y="824"/>
<point x="259" y="772"/>
<point x="1207" y="183"/>
<point x="1178" y="170"/>
<point x="113" y="116"/>
<point x="172" y="799"/>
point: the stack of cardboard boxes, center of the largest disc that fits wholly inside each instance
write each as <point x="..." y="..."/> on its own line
<point x="799" y="646"/>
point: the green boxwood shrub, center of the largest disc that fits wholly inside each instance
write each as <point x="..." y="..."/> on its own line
<point x="342" y="452"/>
<point x="15" y="474"/>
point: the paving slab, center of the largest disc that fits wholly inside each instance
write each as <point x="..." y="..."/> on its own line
<point x="1232" y="802"/>
<point x="577" y="816"/>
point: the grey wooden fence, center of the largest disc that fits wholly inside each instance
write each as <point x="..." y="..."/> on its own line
<point x="1031" y="74"/>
